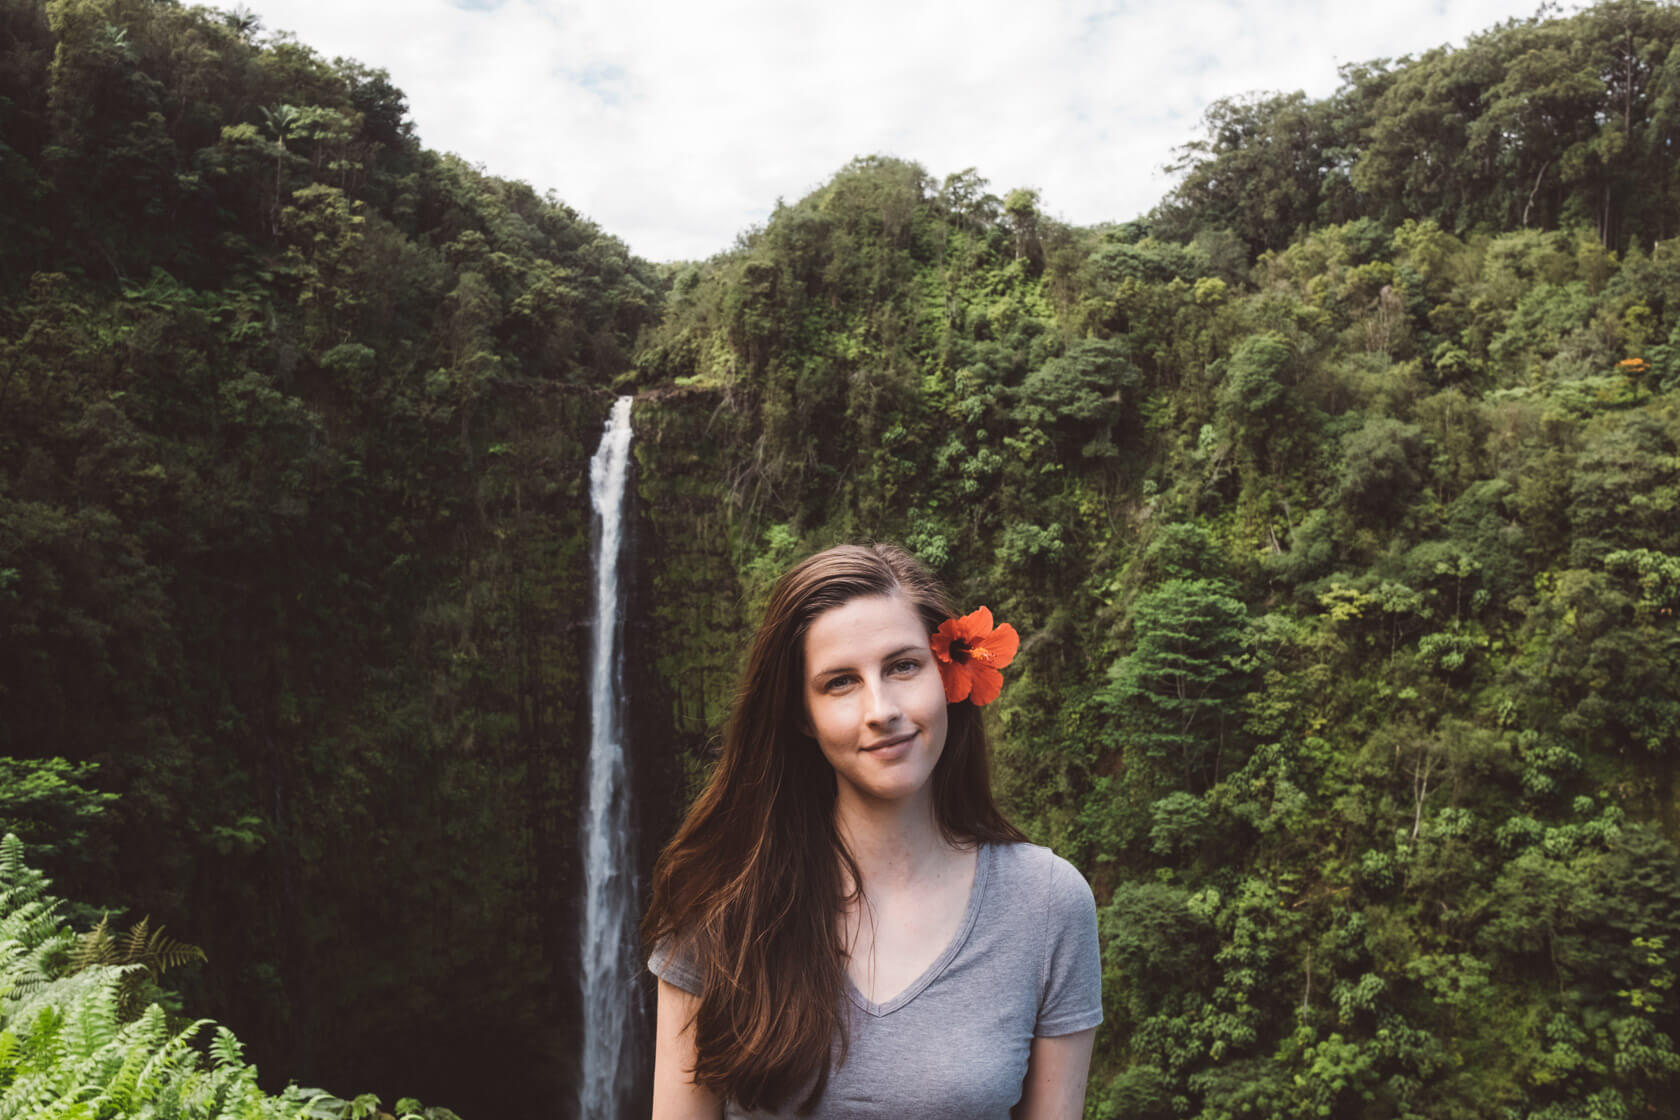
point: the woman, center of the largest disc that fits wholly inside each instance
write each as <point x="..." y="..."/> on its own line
<point x="845" y="925"/>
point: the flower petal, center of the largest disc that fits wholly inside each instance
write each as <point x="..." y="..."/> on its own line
<point x="974" y="626"/>
<point x="957" y="681"/>
<point x="1002" y="644"/>
<point x="988" y="684"/>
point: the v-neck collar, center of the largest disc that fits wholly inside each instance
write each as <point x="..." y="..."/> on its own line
<point x="982" y="870"/>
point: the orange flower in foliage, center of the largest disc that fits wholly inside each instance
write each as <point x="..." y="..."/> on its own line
<point x="969" y="652"/>
<point x="1633" y="365"/>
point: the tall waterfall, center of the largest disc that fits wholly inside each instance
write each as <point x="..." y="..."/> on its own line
<point x="609" y="994"/>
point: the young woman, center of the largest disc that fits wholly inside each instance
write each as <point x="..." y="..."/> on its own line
<point x="845" y="925"/>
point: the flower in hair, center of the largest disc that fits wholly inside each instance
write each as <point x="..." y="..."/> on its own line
<point x="969" y="652"/>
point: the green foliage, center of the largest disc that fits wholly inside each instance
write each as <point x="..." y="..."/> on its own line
<point x="1345" y="580"/>
<point x="73" y="1044"/>
<point x="1252" y="381"/>
<point x="46" y="802"/>
<point x="1335" y="502"/>
<point x="1179" y="692"/>
<point x="293" y="417"/>
<point x="141" y="953"/>
<point x="1377" y="475"/>
<point x="1531" y="124"/>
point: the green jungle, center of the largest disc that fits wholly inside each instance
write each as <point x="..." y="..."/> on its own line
<point x="1336" y="500"/>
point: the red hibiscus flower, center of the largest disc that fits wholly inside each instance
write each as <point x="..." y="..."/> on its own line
<point x="969" y="652"/>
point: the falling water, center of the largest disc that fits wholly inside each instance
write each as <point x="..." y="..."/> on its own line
<point x="609" y="868"/>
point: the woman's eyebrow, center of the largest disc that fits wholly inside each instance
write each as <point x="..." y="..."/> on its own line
<point x="833" y="669"/>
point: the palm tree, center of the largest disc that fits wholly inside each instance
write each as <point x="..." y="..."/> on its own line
<point x="281" y="119"/>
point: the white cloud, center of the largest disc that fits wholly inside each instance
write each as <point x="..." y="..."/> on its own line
<point x="675" y="125"/>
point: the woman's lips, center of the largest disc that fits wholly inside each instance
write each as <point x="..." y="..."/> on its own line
<point x="890" y="746"/>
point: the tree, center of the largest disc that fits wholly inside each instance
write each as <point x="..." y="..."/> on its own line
<point x="1179" y="692"/>
<point x="1021" y="207"/>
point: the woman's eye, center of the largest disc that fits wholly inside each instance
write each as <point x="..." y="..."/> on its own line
<point x="908" y="665"/>
<point x="835" y="684"/>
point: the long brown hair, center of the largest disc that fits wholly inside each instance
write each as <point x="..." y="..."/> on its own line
<point x="750" y="891"/>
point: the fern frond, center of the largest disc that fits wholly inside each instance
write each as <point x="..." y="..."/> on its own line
<point x="226" y="1049"/>
<point x="165" y="953"/>
<point x="172" y="1059"/>
<point x="28" y="986"/>
<point x="141" y="946"/>
<point x="26" y="970"/>
<point x="28" y="921"/>
<point x="214" y="1093"/>
<point x="21" y="888"/>
<point x="151" y="1029"/>
<point x="94" y="947"/>
<point x="12" y="868"/>
<point x="134" y="943"/>
<point x="47" y="955"/>
<point x="137" y="1044"/>
<point x="66" y="1052"/>
<point x="175" y="1095"/>
<point x="27" y="1097"/>
<point x="38" y="1020"/>
<point x="321" y="1105"/>
<point x="91" y="1020"/>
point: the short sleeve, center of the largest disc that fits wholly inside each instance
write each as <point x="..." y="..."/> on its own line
<point x="674" y="967"/>
<point x="1070" y="985"/>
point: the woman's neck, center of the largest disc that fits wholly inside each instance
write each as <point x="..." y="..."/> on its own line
<point x="895" y="845"/>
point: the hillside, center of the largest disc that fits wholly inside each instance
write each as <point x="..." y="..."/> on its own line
<point x="293" y="535"/>
<point x="1336" y="503"/>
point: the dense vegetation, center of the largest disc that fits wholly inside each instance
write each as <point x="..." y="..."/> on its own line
<point x="293" y="533"/>
<point x="86" y="1031"/>
<point x="1337" y="503"/>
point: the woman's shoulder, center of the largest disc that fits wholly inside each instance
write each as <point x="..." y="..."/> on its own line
<point x="1026" y="858"/>
<point x="1034" y="871"/>
<point x="674" y="962"/>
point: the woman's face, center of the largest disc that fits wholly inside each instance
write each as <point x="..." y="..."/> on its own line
<point x="873" y="698"/>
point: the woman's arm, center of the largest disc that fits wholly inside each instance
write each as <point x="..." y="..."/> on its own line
<point x="1055" y="1084"/>
<point x="675" y="1095"/>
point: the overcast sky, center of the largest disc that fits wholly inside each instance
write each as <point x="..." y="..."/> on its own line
<point x="675" y="124"/>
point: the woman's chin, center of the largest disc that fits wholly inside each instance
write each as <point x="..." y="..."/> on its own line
<point x="889" y="792"/>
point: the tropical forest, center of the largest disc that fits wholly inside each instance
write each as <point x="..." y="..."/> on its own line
<point x="1336" y="500"/>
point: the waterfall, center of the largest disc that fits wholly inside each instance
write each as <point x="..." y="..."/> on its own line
<point x="608" y="944"/>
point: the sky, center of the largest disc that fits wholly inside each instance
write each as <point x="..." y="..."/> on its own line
<point x="677" y="124"/>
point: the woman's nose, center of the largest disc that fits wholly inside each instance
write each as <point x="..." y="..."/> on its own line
<point x="883" y="707"/>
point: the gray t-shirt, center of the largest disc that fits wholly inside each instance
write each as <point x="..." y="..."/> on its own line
<point x="954" y="1044"/>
